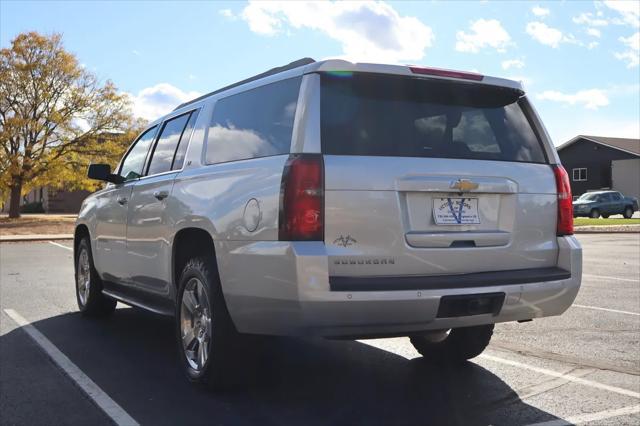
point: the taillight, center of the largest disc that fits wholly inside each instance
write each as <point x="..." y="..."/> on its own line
<point x="447" y="73"/>
<point x="565" y="201"/>
<point x="302" y="199"/>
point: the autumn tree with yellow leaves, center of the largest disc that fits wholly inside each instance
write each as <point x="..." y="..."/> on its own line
<point x="55" y="118"/>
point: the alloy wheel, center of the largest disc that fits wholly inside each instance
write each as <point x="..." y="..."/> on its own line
<point x="83" y="279"/>
<point x="195" y="324"/>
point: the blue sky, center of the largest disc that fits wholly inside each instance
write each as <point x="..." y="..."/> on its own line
<point x="578" y="59"/>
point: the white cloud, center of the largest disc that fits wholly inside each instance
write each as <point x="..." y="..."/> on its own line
<point x="571" y="39"/>
<point x="544" y="34"/>
<point x="588" y="18"/>
<point x="512" y="63"/>
<point x="156" y="101"/>
<point x="540" y="11"/>
<point x="590" y="99"/>
<point x="368" y="31"/>
<point x="564" y="121"/>
<point x="262" y="19"/>
<point x="594" y="32"/>
<point x="484" y="33"/>
<point x="550" y="36"/>
<point x="632" y="41"/>
<point x="592" y="45"/>
<point x="135" y="52"/>
<point x="632" y="54"/>
<point x="228" y="13"/>
<point x="629" y="11"/>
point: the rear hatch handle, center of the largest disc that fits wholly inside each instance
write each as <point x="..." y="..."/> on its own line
<point x="453" y="239"/>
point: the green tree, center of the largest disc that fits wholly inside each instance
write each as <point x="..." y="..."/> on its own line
<point x="55" y="117"/>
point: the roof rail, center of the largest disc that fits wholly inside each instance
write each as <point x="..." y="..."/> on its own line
<point x="272" y="71"/>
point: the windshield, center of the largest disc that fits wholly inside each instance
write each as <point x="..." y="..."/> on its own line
<point x="588" y="197"/>
<point x="382" y="115"/>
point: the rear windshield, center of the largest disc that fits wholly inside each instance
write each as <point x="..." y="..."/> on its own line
<point x="369" y="114"/>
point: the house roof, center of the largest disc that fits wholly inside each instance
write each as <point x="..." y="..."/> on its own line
<point x="631" y="146"/>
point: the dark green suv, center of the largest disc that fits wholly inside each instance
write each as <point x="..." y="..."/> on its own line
<point x="604" y="203"/>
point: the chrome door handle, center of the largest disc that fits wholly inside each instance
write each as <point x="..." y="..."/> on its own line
<point x="161" y="195"/>
<point x="122" y="201"/>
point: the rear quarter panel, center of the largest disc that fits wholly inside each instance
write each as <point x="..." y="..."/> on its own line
<point x="235" y="201"/>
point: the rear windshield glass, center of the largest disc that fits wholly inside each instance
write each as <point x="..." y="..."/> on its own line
<point x="368" y="114"/>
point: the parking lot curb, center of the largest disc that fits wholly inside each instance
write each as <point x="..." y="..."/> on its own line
<point x="30" y="238"/>
<point x="575" y="231"/>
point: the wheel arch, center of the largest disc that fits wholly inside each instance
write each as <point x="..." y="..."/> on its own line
<point x="80" y="232"/>
<point x="188" y="242"/>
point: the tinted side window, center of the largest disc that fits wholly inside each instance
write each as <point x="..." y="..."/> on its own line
<point x="184" y="142"/>
<point x="165" y="149"/>
<point x="616" y="196"/>
<point x="255" y="123"/>
<point x="132" y="164"/>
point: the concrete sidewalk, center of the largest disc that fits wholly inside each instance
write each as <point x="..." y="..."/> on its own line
<point x="34" y="237"/>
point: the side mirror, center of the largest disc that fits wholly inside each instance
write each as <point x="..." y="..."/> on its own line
<point x="103" y="172"/>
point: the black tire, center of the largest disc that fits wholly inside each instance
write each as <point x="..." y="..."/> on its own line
<point x="91" y="302"/>
<point x="223" y="349"/>
<point x="594" y="214"/>
<point x="628" y="212"/>
<point x="460" y="345"/>
<point x="605" y="216"/>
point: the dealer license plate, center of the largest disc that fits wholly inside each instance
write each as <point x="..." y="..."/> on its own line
<point x="456" y="211"/>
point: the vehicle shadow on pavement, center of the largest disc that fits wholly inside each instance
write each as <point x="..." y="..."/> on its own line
<point x="132" y="356"/>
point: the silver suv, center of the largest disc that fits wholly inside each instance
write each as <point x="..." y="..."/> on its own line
<point x="338" y="200"/>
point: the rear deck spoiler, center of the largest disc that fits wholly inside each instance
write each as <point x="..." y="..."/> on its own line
<point x="272" y="71"/>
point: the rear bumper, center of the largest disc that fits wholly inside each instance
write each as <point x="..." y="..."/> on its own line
<point x="443" y="282"/>
<point x="283" y="288"/>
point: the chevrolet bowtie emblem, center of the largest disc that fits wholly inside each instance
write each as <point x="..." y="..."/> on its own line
<point x="463" y="185"/>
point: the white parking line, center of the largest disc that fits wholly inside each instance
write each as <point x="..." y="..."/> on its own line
<point x="99" y="397"/>
<point x="60" y="245"/>
<point x="124" y="419"/>
<point x="387" y="345"/>
<point x="592" y="417"/>
<point x="606" y="309"/>
<point x="605" y="277"/>
<point x="563" y="376"/>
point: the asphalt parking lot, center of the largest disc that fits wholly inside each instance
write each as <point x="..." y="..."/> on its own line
<point x="581" y="367"/>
